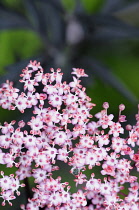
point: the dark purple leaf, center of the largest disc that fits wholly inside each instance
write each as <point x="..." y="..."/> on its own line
<point x="105" y="74"/>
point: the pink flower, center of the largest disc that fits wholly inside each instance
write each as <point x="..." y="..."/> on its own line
<point x="36" y="123"/>
<point x="79" y="72"/>
<point x="55" y="100"/>
<point x="79" y="198"/>
<point x="116" y="129"/>
<point x="108" y="169"/>
<point x="61" y="128"/>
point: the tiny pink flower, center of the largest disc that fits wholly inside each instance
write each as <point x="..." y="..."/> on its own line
<point x="79" y="72"/>
<point x="116" y="129"/>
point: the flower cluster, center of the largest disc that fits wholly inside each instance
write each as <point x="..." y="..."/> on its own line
<point x="61" y="129"/>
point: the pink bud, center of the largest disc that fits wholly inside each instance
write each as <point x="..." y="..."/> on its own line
<point x="121" y="107"/>
<point x="105" y="105"/>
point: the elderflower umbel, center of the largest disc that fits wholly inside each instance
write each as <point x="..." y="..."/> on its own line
<point x="61" y="128"/>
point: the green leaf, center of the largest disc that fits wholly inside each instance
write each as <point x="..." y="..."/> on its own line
<point x="92" y="6"/>
<point x="17" y="44"/>
<point x="69" y="5"/>
<point x="5" y="51"/>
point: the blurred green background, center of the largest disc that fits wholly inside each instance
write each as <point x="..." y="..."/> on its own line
<point x="101" y="36"/>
